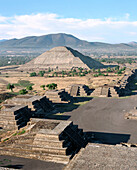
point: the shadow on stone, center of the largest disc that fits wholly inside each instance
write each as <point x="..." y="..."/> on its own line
<point x="107" y="138"/>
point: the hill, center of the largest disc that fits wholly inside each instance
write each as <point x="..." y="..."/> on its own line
<point x="46" y="42"/>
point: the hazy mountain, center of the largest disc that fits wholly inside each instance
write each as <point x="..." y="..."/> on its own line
<point x="2" y="40"/>
<point x="47" y="42"/>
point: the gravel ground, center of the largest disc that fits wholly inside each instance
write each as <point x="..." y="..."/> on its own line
<point x="105" y="118"/>
<point x="103" y="157"/>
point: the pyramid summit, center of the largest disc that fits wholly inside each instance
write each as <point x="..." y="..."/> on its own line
<point x="62" y="58"/>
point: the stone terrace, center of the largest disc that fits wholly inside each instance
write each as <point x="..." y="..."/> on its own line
<point x="14" y="117"/>
<point x="78" y="90"/>
<point x="48" y="140"/>
<point x="58" y="96"/>
<point x="39" y="105"/>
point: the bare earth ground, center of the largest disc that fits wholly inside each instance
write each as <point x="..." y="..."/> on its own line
<point x="38" y="81"/>
<point x="92" y="82"/>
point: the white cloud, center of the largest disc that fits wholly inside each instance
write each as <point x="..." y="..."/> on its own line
<point x="107" y="30"/>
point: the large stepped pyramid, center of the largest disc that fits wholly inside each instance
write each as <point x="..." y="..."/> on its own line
<point x="48" y="140"/>
<point x="61" y="58"/>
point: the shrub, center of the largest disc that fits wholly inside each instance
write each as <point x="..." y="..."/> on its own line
<point x="29" y="87"/>
<point x="95" y="75"/>
<point x="33" y="74"/>
<point x="41" y="73"/>
<point x="23" y="91"/>
<point x="43" y="86"/>
<point x="51" y="86"/>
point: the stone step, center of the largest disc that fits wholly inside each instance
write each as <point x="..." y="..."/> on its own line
<point x="35" y="155"/>
<point x="49" y="143"/>
<point x="48" y="136"/>
<point x="51" y="150"/>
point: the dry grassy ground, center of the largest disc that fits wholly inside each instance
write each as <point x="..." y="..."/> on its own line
<point x="13" y="76"/>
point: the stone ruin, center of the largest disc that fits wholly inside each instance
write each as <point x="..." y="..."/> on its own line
<point x="47" y="140"/>
<point x="39" y="105"/>
<point x="58" y="96"/>
<point x="105" y="91"/>
<point x="122" y="88"/>
<point x="124" y="83"/>
<point x="78" y="90"/>
<point x="16" y="112"/>
<point x="14" y="116"/>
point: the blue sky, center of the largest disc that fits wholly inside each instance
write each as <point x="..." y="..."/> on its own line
<point x="112" y="21"/>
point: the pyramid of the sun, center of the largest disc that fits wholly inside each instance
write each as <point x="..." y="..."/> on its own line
<point x="61" y="58"/>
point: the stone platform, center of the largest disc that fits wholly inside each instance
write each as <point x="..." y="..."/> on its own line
<point x="78" y="90"/>
<point x="48" y="140"/>
<point x="14" y="116"/>
<point x="58" y="96"/>
<point x="39" y="105"/>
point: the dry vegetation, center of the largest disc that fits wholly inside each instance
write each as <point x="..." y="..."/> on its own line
<point x="14" y="76"/>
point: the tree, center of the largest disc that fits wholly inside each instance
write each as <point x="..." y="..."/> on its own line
<point x="51" y="86"/>
<point x="23" y="91"/>
<point x="10" y="86"/>
<point x="43" y="86"/>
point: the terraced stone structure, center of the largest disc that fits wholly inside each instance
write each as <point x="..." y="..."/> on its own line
<point x="105" y="91"/>
<point x="61" y="58"/>
<point x="124" y="84"/>
<point x="58" y="96"/>
<point x="78" y="90"/>
<point x="39" y="105"/>
<point x="13" y="117"/>
<point x="48" y="140"/>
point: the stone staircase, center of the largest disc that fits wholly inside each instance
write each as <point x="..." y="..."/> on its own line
<point x="59" y="96"/>
<point x="14" y="117"/>
<point x="78" y="90"/>
<point x="97" y="91"/>
<point x="56" y="141"/>
<point x="113" y="92"/>
<point x="106" y="91"/>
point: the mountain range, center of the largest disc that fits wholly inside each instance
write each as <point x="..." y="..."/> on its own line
<point x="49" y="41"/>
